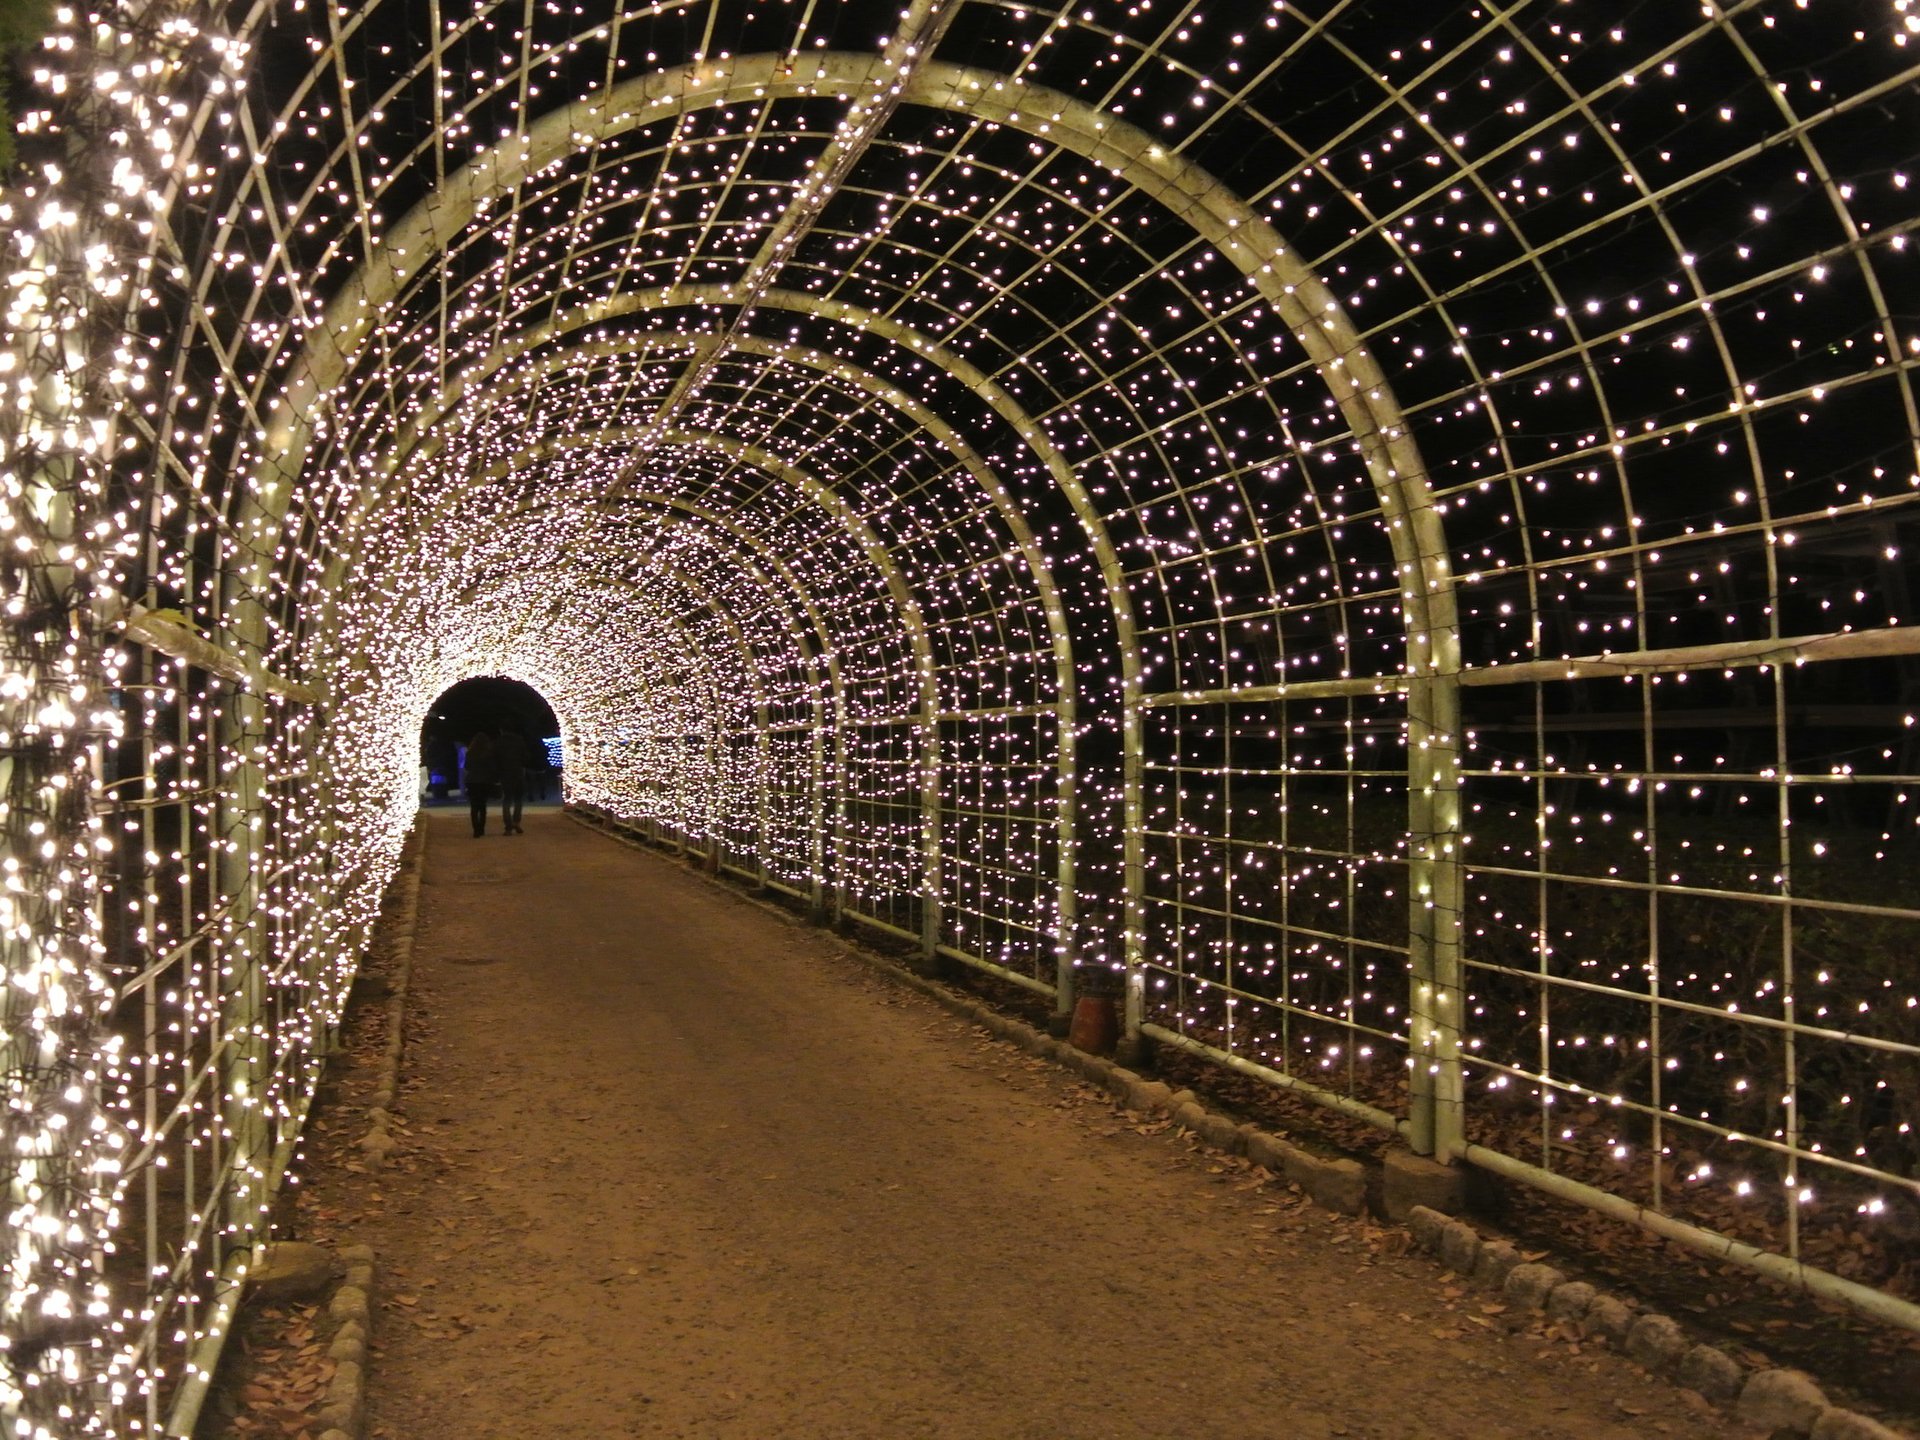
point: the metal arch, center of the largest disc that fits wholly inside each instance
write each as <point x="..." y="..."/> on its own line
<point x="701" y="592"/>
<point x="811" y="657"/>
<point x="1011" y="412"/>
<point x="807" y="484"/>
<point x="428" y="445"/>
<point x="816" y="490"/>
<point x="360" y="389"/>
<point x="908" y="607"/>
<point x="1361" y="391"/>
<point x="714" y="704"/>
<point x="1316" y="318"/>
<point x="1254" y="247"/>
<point x="853" y="317"/>
<point x="418" y="444"/>
<point x="866" y="536"/>
<point x="832" y="693"/>
<point x="827" y="699"/>
<point x="763" y="555"/>
<point x="711" y="706"/>
<point x="1241" y="236"/>
<point x="421" y="437"/>
<point x="878" y="555"/>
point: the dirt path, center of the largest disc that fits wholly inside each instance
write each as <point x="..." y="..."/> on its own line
<point x="673" y="1167"/>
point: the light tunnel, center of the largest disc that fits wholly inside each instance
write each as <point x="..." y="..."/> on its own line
<point x="1376" y="534"/>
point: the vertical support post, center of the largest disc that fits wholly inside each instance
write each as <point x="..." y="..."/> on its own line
<point x="1133" y="868"/>
<point x="762" y="780"/>
<point x="240" y="962"/>
<point x="1791" y="1120"/>
<point x="928" y="733"/>
<point x="1066" y="822"/>
<point x="679" y="820"/>
<point x="817" y="806"/>
<point x="718" y="791"/>
<point x="656" y="799"/>
<point x="837" y="853"/>
<point x="322" y="847"/>
<point x="1436" y="888"/>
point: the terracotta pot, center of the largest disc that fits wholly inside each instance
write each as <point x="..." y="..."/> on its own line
<point x="1096" y="1025"/>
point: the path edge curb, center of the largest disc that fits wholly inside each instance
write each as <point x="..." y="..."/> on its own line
<point x="343" y="1413"/>
<point x="378" y="1142"/>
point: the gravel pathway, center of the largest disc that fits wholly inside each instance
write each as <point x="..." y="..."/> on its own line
<point x="670" y="1166"/>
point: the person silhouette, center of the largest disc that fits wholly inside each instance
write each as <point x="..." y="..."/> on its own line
<point x="483" y="773"/>
<point x="511" y="760"/>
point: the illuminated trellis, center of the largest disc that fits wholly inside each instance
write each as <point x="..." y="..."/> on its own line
<point x="1383" y="525"/>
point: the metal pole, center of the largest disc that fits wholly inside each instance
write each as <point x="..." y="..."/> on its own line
<point x="817" y="797"/>
<point x="1435" y="891"/>
<point x="241" y="956"/>
<point x="1066" y="822"/>
<point x="1133" y="868"/>
<point x="930" y="880"/>
<point x="763" y="780"/>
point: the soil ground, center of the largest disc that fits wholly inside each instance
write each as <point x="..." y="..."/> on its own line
<point x="673" y="1166"/>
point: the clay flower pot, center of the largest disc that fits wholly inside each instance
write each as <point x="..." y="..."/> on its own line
<point x="1096" y="1025"/>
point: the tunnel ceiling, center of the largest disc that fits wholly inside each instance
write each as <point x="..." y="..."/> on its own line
<point x="985" y="344"/>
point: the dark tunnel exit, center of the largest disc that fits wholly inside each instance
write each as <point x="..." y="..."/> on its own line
<point x="485" y="702"/>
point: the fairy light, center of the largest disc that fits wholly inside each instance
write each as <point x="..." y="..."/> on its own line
<point x="908" y="476"/>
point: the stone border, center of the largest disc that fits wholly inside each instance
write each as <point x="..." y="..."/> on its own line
<point x="378" y="1142"/>
<point x="343" y="1413"/>
<point x="1780" y="1400"/>
<point x="1777" y="1400"/>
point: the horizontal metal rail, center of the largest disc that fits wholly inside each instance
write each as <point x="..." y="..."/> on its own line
<point x="177" y="639"/>
<point x="1730" y="655"/>
<point x="1279" y="1079"/>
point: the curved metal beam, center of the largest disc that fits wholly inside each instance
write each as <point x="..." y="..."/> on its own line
<point x="417" y="436"/>
<point x="1354" y="378"/>
<point x="878" y="555"/>
<point x="1318" y="321"/>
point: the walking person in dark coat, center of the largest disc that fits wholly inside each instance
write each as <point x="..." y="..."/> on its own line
<point x="483" y="773"/>
<point x="512" y="755"/>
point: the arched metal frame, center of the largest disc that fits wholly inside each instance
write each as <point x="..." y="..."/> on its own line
<point x="1315" y="510"/>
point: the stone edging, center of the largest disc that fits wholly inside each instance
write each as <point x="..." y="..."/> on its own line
<point x="378" y="1142"/>
<point x="1777" y="1400"/>
<point x="343" y="1413"/>
<point x="1780" y="1400"/>
<point x="1783" y="1401"/>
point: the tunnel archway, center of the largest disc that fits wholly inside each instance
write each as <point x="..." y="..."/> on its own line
<point x="1315" y="510"/>
<point x="482" y="702"/>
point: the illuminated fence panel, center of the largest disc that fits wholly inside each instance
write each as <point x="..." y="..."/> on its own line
<point x="742" y="799"/>
<point x="1686" y="980"/>
<point x="794" y="816"/>
<point x="227" y="964"/>
<point x="879" y="855"/>
<point x="1276" y="892"/>
<point x="999" y="831"/>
